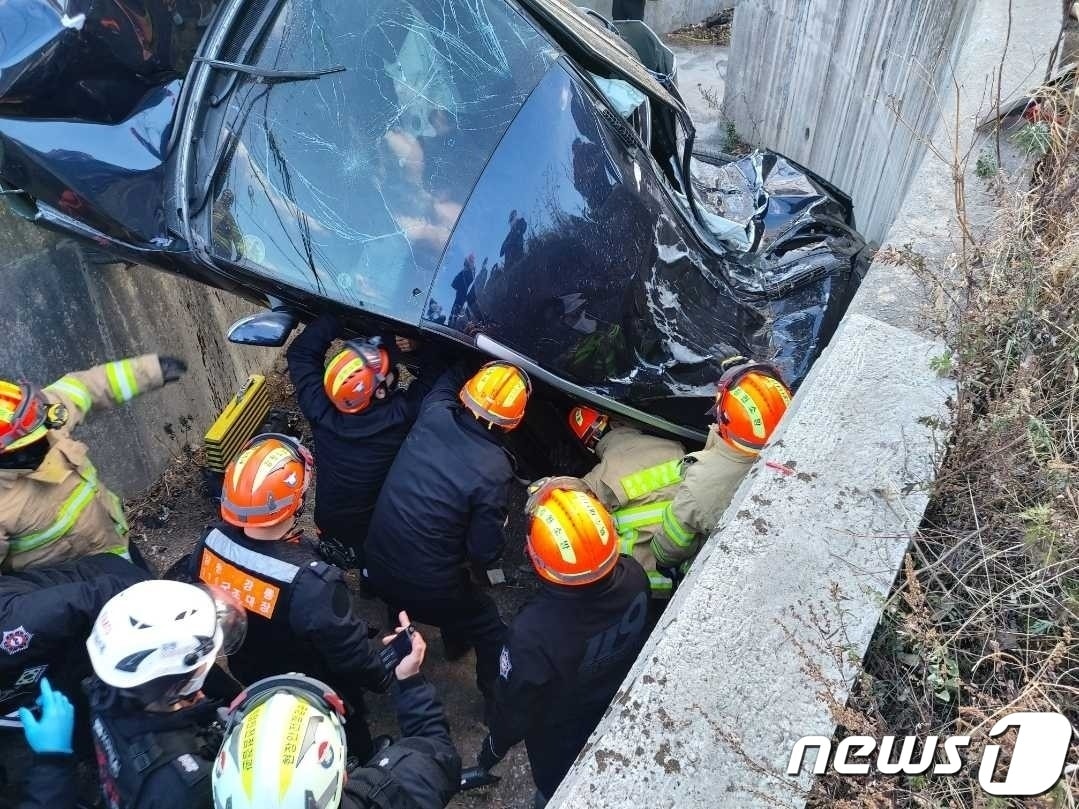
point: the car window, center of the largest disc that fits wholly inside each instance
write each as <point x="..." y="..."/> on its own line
<point x="349" y="186"/>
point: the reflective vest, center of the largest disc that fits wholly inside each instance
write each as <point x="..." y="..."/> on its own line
<point x="264" y="585"/>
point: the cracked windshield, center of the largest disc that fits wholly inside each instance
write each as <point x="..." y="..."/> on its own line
<point x="349" y="185"/>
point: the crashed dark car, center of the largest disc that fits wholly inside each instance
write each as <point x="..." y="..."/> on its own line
<point x="512" y="176"/>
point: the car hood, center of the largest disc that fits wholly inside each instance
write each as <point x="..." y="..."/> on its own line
<point x="573" y="254"/>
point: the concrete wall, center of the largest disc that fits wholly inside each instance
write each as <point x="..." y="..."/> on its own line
<point x="60" y="314"/>
<point x="848" y="88"/>
<point x="667" y="15"/>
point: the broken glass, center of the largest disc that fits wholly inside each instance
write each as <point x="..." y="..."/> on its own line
<point x="349" y="186"/>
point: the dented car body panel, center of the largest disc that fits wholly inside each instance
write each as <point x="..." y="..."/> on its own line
<point x="503" y="176"/>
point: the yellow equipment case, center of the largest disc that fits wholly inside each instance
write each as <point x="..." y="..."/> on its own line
<point x="237" y="424"/>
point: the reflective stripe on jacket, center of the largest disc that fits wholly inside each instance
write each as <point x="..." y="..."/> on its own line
<point x="636" y="479"/>
<point x="709" y="480"/>
<point x="61" y="510"/>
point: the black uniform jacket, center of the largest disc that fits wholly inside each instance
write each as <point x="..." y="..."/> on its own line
<point x="45" y="618"/>
<point x="445" y="499"/>
<point x="353" y="452"/>
<point x="300" y="614"/>
<point x="567" y="653"/>
<point x="152" y="760"/>
<point x="422" y="770"/>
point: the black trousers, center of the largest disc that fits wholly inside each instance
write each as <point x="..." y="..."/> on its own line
<point x="464" y="614"/>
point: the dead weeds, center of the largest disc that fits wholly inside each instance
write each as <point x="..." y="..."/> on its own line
<point x="984" y="620"/>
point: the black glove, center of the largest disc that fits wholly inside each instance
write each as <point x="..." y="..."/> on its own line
<point x="487" y="757"/>
<point x="172" y="368"/>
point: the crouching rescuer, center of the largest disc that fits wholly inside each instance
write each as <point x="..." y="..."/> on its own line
<point x="53" y="506"/>
<point x="301" y="614"/>
<point x="664" y="502"/>
<point x="569" y="649"/>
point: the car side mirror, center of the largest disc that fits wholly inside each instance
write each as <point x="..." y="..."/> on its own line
<point x="269" y="329"/>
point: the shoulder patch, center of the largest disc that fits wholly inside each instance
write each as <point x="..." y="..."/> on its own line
<point x="190" y="769"/>
<point x="505" y="665"/>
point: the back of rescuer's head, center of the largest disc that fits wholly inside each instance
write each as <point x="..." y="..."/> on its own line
<point x="25" y="419"/>
<point x="750" y="402"/>
<point x="359" y="374"/>
<point x="498" y="394"/>
<point x="265" y="486"/>
<point x="571" y="538"/>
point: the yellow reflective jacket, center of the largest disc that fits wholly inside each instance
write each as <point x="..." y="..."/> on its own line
<point x="636" y="479"/>
<point x="61" y="510"/>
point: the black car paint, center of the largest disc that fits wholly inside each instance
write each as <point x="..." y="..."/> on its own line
<point x="619" y="293"/>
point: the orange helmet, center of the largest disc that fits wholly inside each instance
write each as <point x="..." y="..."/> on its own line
<point x="356" y="374"/>
<point x="267" y="482"/>
<point x="572" y="539"/>
<point x="751" y="400"/>
<point x="25" y="415"/>
<point x="588" y="425"/>
<point x="498" y="394"/>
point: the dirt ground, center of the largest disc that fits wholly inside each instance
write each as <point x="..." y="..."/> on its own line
<point x="170" y="516"/>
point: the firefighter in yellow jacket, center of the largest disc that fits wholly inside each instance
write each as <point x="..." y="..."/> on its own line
<point x="53" y="507"/>
<point x="664" y="502"/>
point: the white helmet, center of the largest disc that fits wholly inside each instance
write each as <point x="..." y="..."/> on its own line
<point x="158" y="639"/>
<point x="284" y="747"/>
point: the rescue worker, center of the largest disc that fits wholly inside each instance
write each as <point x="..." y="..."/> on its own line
<point x="637" y="473"/>
<point x="568" y="649"/>
<point x="419" y="771"/>
<point x="151" y="648"/>
<point x="301" y="613"/>
<point x="665" y="503"/>
<point x="53" y="507"/>
<point x="443" y="509"/>
<point x="45" y="616"/>
<point x="359" y="419"/>
<point x="750" y="402"/>
<point x="50" y="780"/>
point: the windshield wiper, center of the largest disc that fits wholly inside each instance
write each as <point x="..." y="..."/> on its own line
<point x="263" y="75"/>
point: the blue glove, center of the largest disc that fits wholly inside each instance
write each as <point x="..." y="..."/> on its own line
<point x="52" y="733"/>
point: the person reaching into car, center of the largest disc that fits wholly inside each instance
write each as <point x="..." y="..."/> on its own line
<point x="301" y="613"/>
<point x="151" y="648"/>
<point x="53" y="507"/>
<point x="419" y="771"/>
<point x="443" y="510"/>
<point x="665" y="503"/>
<point x="359" y="418"/>
<point x="568" y="649"/>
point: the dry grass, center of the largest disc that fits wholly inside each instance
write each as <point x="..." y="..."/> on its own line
<point x="984" y="620"/>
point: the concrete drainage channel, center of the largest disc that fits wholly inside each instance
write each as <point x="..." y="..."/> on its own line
<point x="758" y="644"/>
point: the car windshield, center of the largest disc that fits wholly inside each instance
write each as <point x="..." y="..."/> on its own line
<point x="348" y="186"/>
